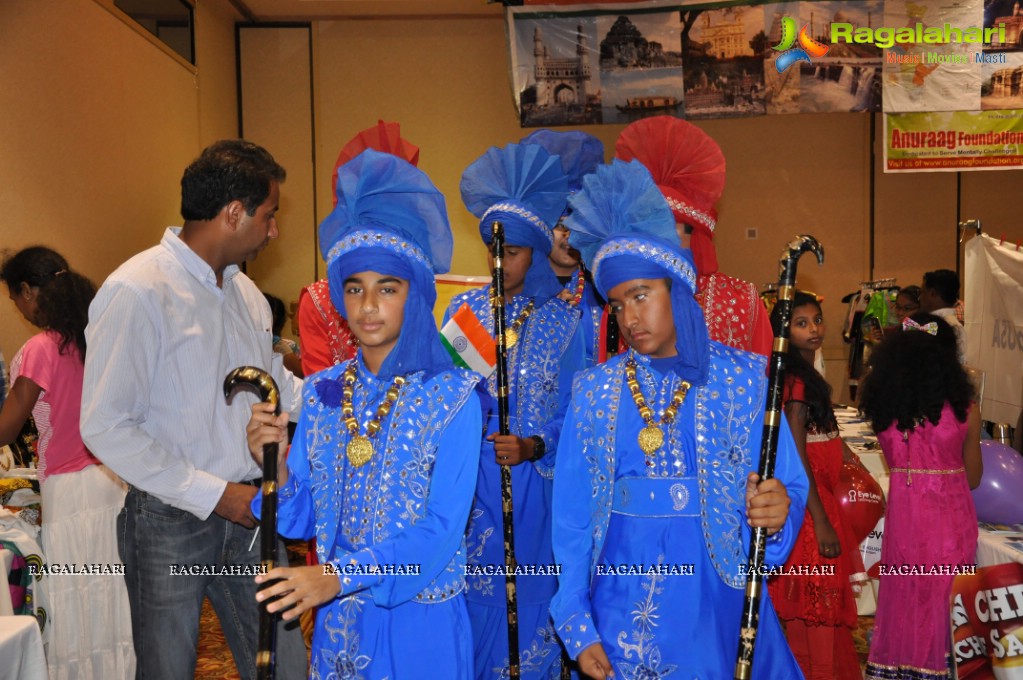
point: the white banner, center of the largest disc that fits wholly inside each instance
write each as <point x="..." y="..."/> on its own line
<point x="994" y="324"/>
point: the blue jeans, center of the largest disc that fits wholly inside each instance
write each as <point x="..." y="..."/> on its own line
<point x="155" y="540"/>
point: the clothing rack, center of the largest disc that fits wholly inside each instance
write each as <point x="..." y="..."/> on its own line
<point x="879" y="284"/>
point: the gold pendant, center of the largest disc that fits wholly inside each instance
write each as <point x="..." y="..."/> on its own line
<point x="359" y="450"/>
<point x="511" y="336"/>
<point x="650" y="439"/>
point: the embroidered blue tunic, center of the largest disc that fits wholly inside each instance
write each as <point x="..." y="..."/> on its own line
<point x="591" y="310"/>
<point x="540" y="369"/>
<point x="393" y="529"/>
<point x="653" y="549"/>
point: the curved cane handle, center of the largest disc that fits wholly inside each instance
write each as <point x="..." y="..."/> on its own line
<point x="259" y="380"/>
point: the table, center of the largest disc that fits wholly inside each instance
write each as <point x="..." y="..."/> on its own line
<point x="856" y="432"/>
<point x="21" y="649"/>
<point x="999" y="547"/>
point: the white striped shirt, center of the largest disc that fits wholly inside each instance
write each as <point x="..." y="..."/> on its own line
<point x="161" y="338"/>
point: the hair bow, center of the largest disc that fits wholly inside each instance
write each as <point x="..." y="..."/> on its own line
<point x="931" y="327"/>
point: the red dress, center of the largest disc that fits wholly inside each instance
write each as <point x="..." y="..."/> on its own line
<point x="734" y="313"/>
<point x="323" y="334"/>
<point x="807" y="602"/>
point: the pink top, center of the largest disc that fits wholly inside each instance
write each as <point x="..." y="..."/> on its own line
<point x="59" y="406"/>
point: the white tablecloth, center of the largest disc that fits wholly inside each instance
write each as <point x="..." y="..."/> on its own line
<point x="6" y="559"/>
<point x="21" y="649"/>
<point x="857" y="434"/>
<point x="999" y="548"/>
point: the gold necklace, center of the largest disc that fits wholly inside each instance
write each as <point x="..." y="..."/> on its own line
<point x="511" y="333"/>
<point x="651" y="437"/>
<point x="580" y="284"/>
<point x="360" y="448"/>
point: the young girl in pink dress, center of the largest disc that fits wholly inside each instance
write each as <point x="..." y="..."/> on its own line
<point x="88" y="630"/>
<point x="817" y="610"/>
<point x="920" y="402"/>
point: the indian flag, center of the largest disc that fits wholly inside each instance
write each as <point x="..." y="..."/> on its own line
<point x="469" y="343"/>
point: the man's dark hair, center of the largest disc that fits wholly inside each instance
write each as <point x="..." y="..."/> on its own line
<point x="945" y="283"/>
<point x="228" y="170"/>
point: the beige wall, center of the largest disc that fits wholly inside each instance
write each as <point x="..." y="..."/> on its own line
<point x="98" y="124"/>
<point x="446" y="82"/>
<point x="276" y="86"/>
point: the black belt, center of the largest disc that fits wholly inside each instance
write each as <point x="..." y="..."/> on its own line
<point x="257" y="482"/>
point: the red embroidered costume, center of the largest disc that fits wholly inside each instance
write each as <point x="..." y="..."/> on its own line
<point x="689" y="169"/>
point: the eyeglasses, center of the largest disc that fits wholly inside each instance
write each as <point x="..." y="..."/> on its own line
<point x="906" y="308"/>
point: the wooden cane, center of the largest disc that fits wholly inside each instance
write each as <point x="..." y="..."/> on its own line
<point x="265" y="385"/>
<point x="511" y="596"/>
<point x="750" y="620"/>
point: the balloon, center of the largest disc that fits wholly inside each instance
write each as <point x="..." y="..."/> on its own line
<point x="997" y="498"/>
<point x="860" y="499"/>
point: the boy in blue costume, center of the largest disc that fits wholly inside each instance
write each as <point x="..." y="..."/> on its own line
<point x="580" y="155"/>
<point x="384" y="461"/>
<point x="524" y="188"/>
<point x="654" y="489"/>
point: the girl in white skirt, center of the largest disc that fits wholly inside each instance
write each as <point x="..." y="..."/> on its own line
<point x="88" y="627"/>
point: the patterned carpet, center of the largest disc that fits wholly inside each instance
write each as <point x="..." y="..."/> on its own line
<point x="214" y="660"/>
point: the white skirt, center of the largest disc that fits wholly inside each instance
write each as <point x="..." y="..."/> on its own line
<point x="89" y="616"/>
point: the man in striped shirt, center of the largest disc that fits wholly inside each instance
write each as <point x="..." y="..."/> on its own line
<point x="164" y="330"/>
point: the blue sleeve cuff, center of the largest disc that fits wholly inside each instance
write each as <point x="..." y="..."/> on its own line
<point x="578" y="633"/>
<point x="357" y="571"/>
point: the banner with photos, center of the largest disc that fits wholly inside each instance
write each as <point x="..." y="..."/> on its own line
<point x="577" y="63"/>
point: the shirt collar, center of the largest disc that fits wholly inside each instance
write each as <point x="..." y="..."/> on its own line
<point x="190" y="260"/>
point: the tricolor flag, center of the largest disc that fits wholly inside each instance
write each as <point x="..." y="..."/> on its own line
<point x="469" y="343"/>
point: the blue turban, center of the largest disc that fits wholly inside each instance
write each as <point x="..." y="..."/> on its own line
<point x="524" y="188"/>
<point x="580" y="153"/>
<point x="623" y="228"/>
<point x="392" y="220"/>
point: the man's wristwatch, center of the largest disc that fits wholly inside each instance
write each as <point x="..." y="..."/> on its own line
<point x="539" y="448"/>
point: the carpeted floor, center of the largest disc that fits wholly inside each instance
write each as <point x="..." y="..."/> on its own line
<point x="214" y="660"/>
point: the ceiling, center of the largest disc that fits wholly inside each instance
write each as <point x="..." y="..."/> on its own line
<point x="311" y="10"/>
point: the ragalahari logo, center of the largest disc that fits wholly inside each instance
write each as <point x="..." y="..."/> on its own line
<point x="808" y="47"/>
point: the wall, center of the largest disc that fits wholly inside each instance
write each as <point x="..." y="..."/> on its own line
<point x="98" y="125"/>
<point x="446" y="81"/>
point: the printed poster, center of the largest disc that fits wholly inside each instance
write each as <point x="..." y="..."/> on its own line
<point x="951" y="141"/>
<point x="987" y="623"/>
<point x="994" y="324"/>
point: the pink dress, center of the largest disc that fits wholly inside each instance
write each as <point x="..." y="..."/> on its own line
<point x="930" y="523"/>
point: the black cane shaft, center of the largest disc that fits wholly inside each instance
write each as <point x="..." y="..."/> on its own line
<point x="266" y="654"/>
<point x="750" y="620"/>
<point x="263" y="383"/>
<point x="508" y="515"/>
